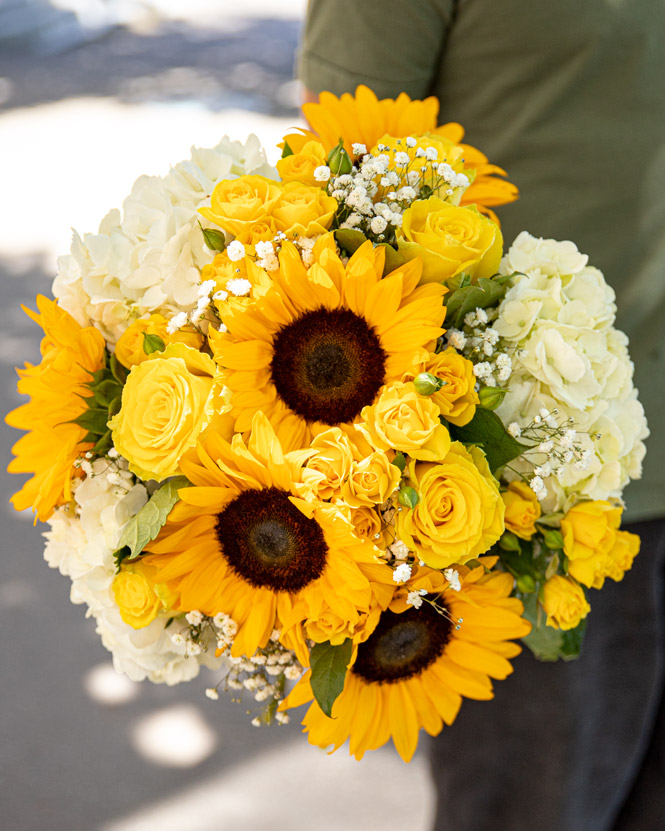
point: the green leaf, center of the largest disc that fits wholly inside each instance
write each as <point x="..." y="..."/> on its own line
<point x="120" y="555"/>
<point x="105" y="391"/>
<point x="408" y="497"/>
<point x="103" y="445"/>
<point x="114" y="406"/>
<point x="573" y="639"/>
<point x="394" y="258"/>
<point x="214" y="239"/>
<point x="553" y="520"/>
<point x="486" y="430"/>
<point x="118" y="371"/>
<point x="287" y="150"/>
<point x="544" y="641"/>
<point x="152" y="343"/>
<point x="400" y="461"/>
<point x="486" y="292"/>
<point x="94" y="420"/>
<point x="349" y="239"/>
<point x="329" y="664"/>
<point x="146" y="524"/>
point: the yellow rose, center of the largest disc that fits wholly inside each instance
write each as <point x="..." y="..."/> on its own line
<point x="626" y="548"/>
<point x="330" y="465"/>
<point x="236" y="204"/>
<point x="459" y="514"/>
<point x="300" y="167"/>
<point x="138" y="597"/>
<point x="222" y="270"/>
<point x="129" y="348"/>
<point x="370" y="481"/>
<point x="403" y="420"/>
<point x="457" y="399"/>
<point x="366" y="522"/>
<point x="564" y="603"/>
<point x="589" y="532"/>
<point x="303" y="211"/>
<point x="449" y="240"/>
<point x="522" y="510"/>
<point x="166" y="402"/>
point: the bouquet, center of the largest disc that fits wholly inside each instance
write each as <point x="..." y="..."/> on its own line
<point x="314" y="428"/>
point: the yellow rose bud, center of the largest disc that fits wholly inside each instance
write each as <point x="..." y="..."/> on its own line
<point x="564" y="603"/>
<point x="403" y="420"/>
<point x="449" y="240"/>
<point x="300" y="167"/>
<point x="370" y="481"/>
<point x="129" y="349"/>
<point x="456" y="396"/>
<point x="459" y="514"/>
<point x="589" y="532"/>
<point x="237" y="204"/>
<point x="367" y="524"/>
<point x="522" y="510"/>
<point x="138" y="597"/>
<point x="166" y="402"/>
<point x="303" y="211"/>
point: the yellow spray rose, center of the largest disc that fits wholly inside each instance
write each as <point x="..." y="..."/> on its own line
<point x="403" y="420"/>
<point x="129" y="348"/>
<point x="303" y="211"/>
<point x="590" y="531"/>
<point x="300" y="167"/>
<point x="564" y="603"/>
<point x="370" y="481"/>
<point x="459" y="514"/>
<point x="367" y="524"/>
<point x="138" y="597"/>
<point x="522" y="510"/>
<point x="457" y="399"/>
<point x="450" y="240"/>
<point x="167" y="401"/>
<point x="330" y="464"/>
<point x="236" y="204"/>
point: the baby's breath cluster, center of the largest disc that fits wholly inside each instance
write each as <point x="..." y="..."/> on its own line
<point x="481" y="344"/>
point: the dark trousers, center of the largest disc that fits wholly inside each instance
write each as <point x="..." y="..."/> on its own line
<point x="571" y="746"/>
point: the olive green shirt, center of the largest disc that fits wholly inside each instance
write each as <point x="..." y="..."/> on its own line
<point x="569" y="97"/>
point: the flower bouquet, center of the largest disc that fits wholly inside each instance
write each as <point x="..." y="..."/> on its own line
<point x="311" y="427"/>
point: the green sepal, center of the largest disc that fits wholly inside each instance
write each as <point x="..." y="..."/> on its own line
<point x="525" y="584"/>
<point x="408" y="497"/>
<point x="487" y="431"/>
<point x="329" y="665"/>
<point x="400" y="461"/>
<point x="144" y="526"/>
<point x="491" y="397"/>
<point x="483" y="294"/>
<point x="152" y="343"/>
<point x="394" y="258"/>
<point x="339" y="160"/>
<point x="120" y="555"/>
<point x="94" y="420"/>
<point x="103" y="445"/>
<point x="114" y="406"/>
<point x="215" y="240"/>
<point x="105" y="391"/>
<point x="287" y="150"/>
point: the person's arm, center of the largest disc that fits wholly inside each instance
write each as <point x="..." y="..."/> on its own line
<point x="392" y="46"/>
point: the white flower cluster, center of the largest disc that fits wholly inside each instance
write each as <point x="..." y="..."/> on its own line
<point x="81" y="542"/>
<point x="149" y="258"/>
<point x="479" y="342"/>
<point x="567" y="357"/>
<point x="378" y="191"/>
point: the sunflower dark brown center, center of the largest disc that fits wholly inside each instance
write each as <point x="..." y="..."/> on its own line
<point x="402" y="645"/>
<point x="327" y="365"/>
<point x="269" y="542"/>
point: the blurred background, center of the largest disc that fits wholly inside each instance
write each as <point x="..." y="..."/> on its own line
<point x="94" y="93"/>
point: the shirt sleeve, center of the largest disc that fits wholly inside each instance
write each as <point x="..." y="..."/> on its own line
<point x="392" y="46"/>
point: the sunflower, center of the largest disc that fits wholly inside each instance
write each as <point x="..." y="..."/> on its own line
<point x="242" y="541"/>
<point x="57" y="390"/>
<point x="319" y="343"/>
<point x="363" y="119"/>
<point x="418" y="663"/>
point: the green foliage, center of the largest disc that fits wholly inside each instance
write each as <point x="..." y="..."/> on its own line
<point x="329" y="664"/>
<point x="481" y="295"/>
<point x="152" y="343"/>
<point x="549" y="644"/>
<point x="487" y="431"/>
<point x="287" y="150"/>
<point x="146" y="524"/>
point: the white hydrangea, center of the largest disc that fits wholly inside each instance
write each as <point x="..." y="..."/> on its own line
<point x="80" y="543"/>
<point x="149" y="257"/>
